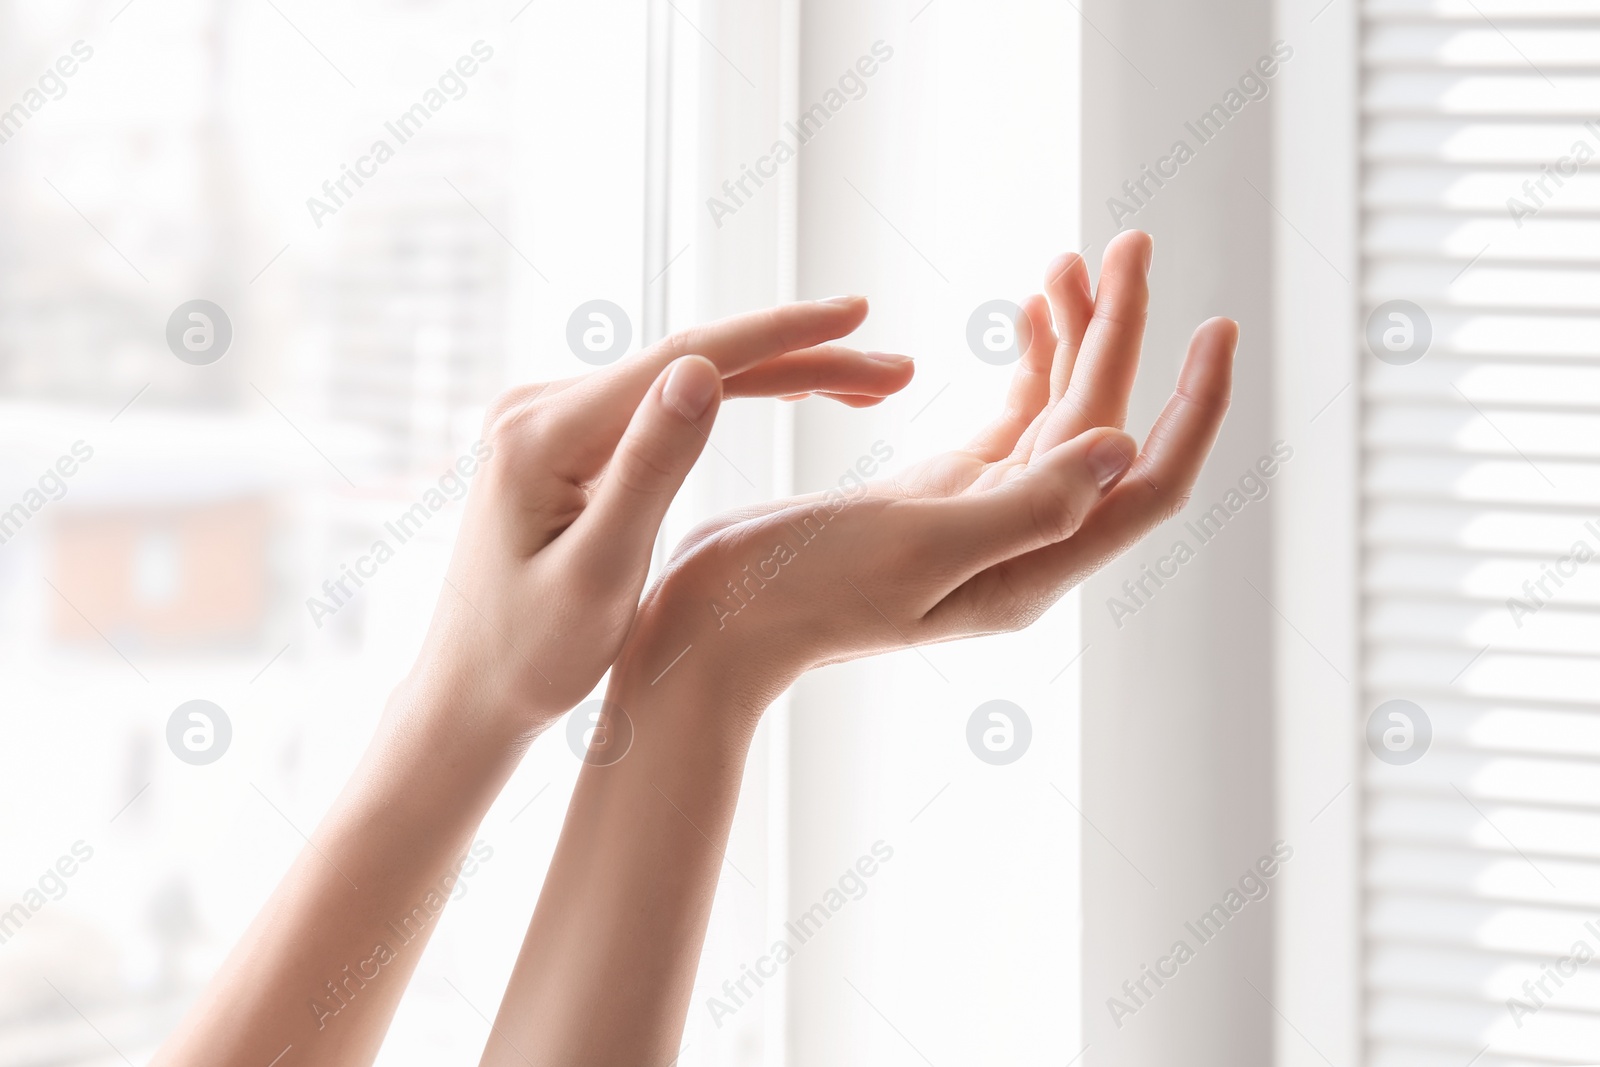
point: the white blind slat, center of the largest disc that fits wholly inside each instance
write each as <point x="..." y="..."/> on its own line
<point x="1432" y="188"/>
<point x="1481" y="474"/>
<point x="1439" y="822"/>
<point x="1440" y="12"/>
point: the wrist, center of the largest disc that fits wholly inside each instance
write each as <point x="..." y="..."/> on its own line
<point x="694" y="673"/>
<point x="453" y="722"/>
<point x="472" y="680"/>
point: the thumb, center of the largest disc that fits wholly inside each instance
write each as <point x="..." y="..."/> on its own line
<point x="1043" y="506"/>
<point x="616" y="533"/>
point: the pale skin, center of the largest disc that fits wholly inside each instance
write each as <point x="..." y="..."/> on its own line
<point x="976" y="541"/>
<point x="541" y="592"/>
<point x="544" y="595"/>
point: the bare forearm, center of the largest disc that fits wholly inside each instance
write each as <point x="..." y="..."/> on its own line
<point x="570" y="484"/>
<point x="323" y="967"/>
<point x="980" y="540"/>
<point x="607" y="968"/>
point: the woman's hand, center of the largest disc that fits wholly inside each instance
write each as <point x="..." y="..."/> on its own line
<point x="974" y="541"/>
<point x="540" y="595"/>
<point x="559" y="527"/>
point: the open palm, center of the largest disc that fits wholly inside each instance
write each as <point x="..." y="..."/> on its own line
<point x="985" y="538"/>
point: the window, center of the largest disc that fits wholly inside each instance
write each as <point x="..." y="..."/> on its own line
<point x="207" y="151"/>
<point x="375" y="300"/>
<point x="1479" y="533"/>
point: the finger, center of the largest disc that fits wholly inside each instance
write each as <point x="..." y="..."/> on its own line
<point x="613" y="538"/>
<point x="1104" y="369"/>
<point x="680" y="344"/>
<point x="1030" y="385"/>
<point x="832" y="369"/>
<point x="1045" y="506"/>
<point x="589" y="417"/>
<point x="1152" y="492"/>
<point x="850" y="400"/>
<point x="739" y="342"/>
<point x="1066" y="286"/>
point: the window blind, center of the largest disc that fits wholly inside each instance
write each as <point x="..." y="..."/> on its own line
<point x="1481" y="530"/>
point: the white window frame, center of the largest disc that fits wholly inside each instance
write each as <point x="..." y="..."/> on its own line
<point x="1318" y="947"/>
<point x="737" y="72"/>
<point x="1313" y="146"/>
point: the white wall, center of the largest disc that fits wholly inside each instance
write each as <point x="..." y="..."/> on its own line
<point x="1177" y="732"/>
<point x="952" y="182"/>
<point x="1006" y="919"/>
<point x="1319" y="722"/>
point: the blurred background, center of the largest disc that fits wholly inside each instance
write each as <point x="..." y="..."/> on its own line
<point x="218" y="486"/>
<point x="238" y="343"/>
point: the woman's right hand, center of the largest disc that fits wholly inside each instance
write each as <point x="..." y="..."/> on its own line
<point x="975" y="541"/>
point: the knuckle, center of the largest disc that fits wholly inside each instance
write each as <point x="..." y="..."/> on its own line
<point x="704" y="533"/>
<point x="685" y="341"/>
<point x="778" y="325"/>
<point x="511" y="412"/>
<point x="506" y="431"/>
<point x="780" y="329"/>
<point x="790" y="331"/>
<point x="643" y="470"/>
<point x="1056" y="513"/>
<point x="1023" y="607"/>
<point x="1172" y="506"/>
<point x="517" y="432"/>
<point x="1005" y="608"/>
<point x="508" y="400"/>
<point x="1217" y="396"/>
<point x="1119" y="317"/>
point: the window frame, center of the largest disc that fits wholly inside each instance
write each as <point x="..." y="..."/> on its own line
<point x="1318" y="942"/>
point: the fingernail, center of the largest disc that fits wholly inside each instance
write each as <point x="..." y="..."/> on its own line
<point x="1108" y="462"/>
<point x="841" y="300"/>
<point x="689" y="390"/>
<point x="1149" y="252"/>
<point x="888" y="357"/>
